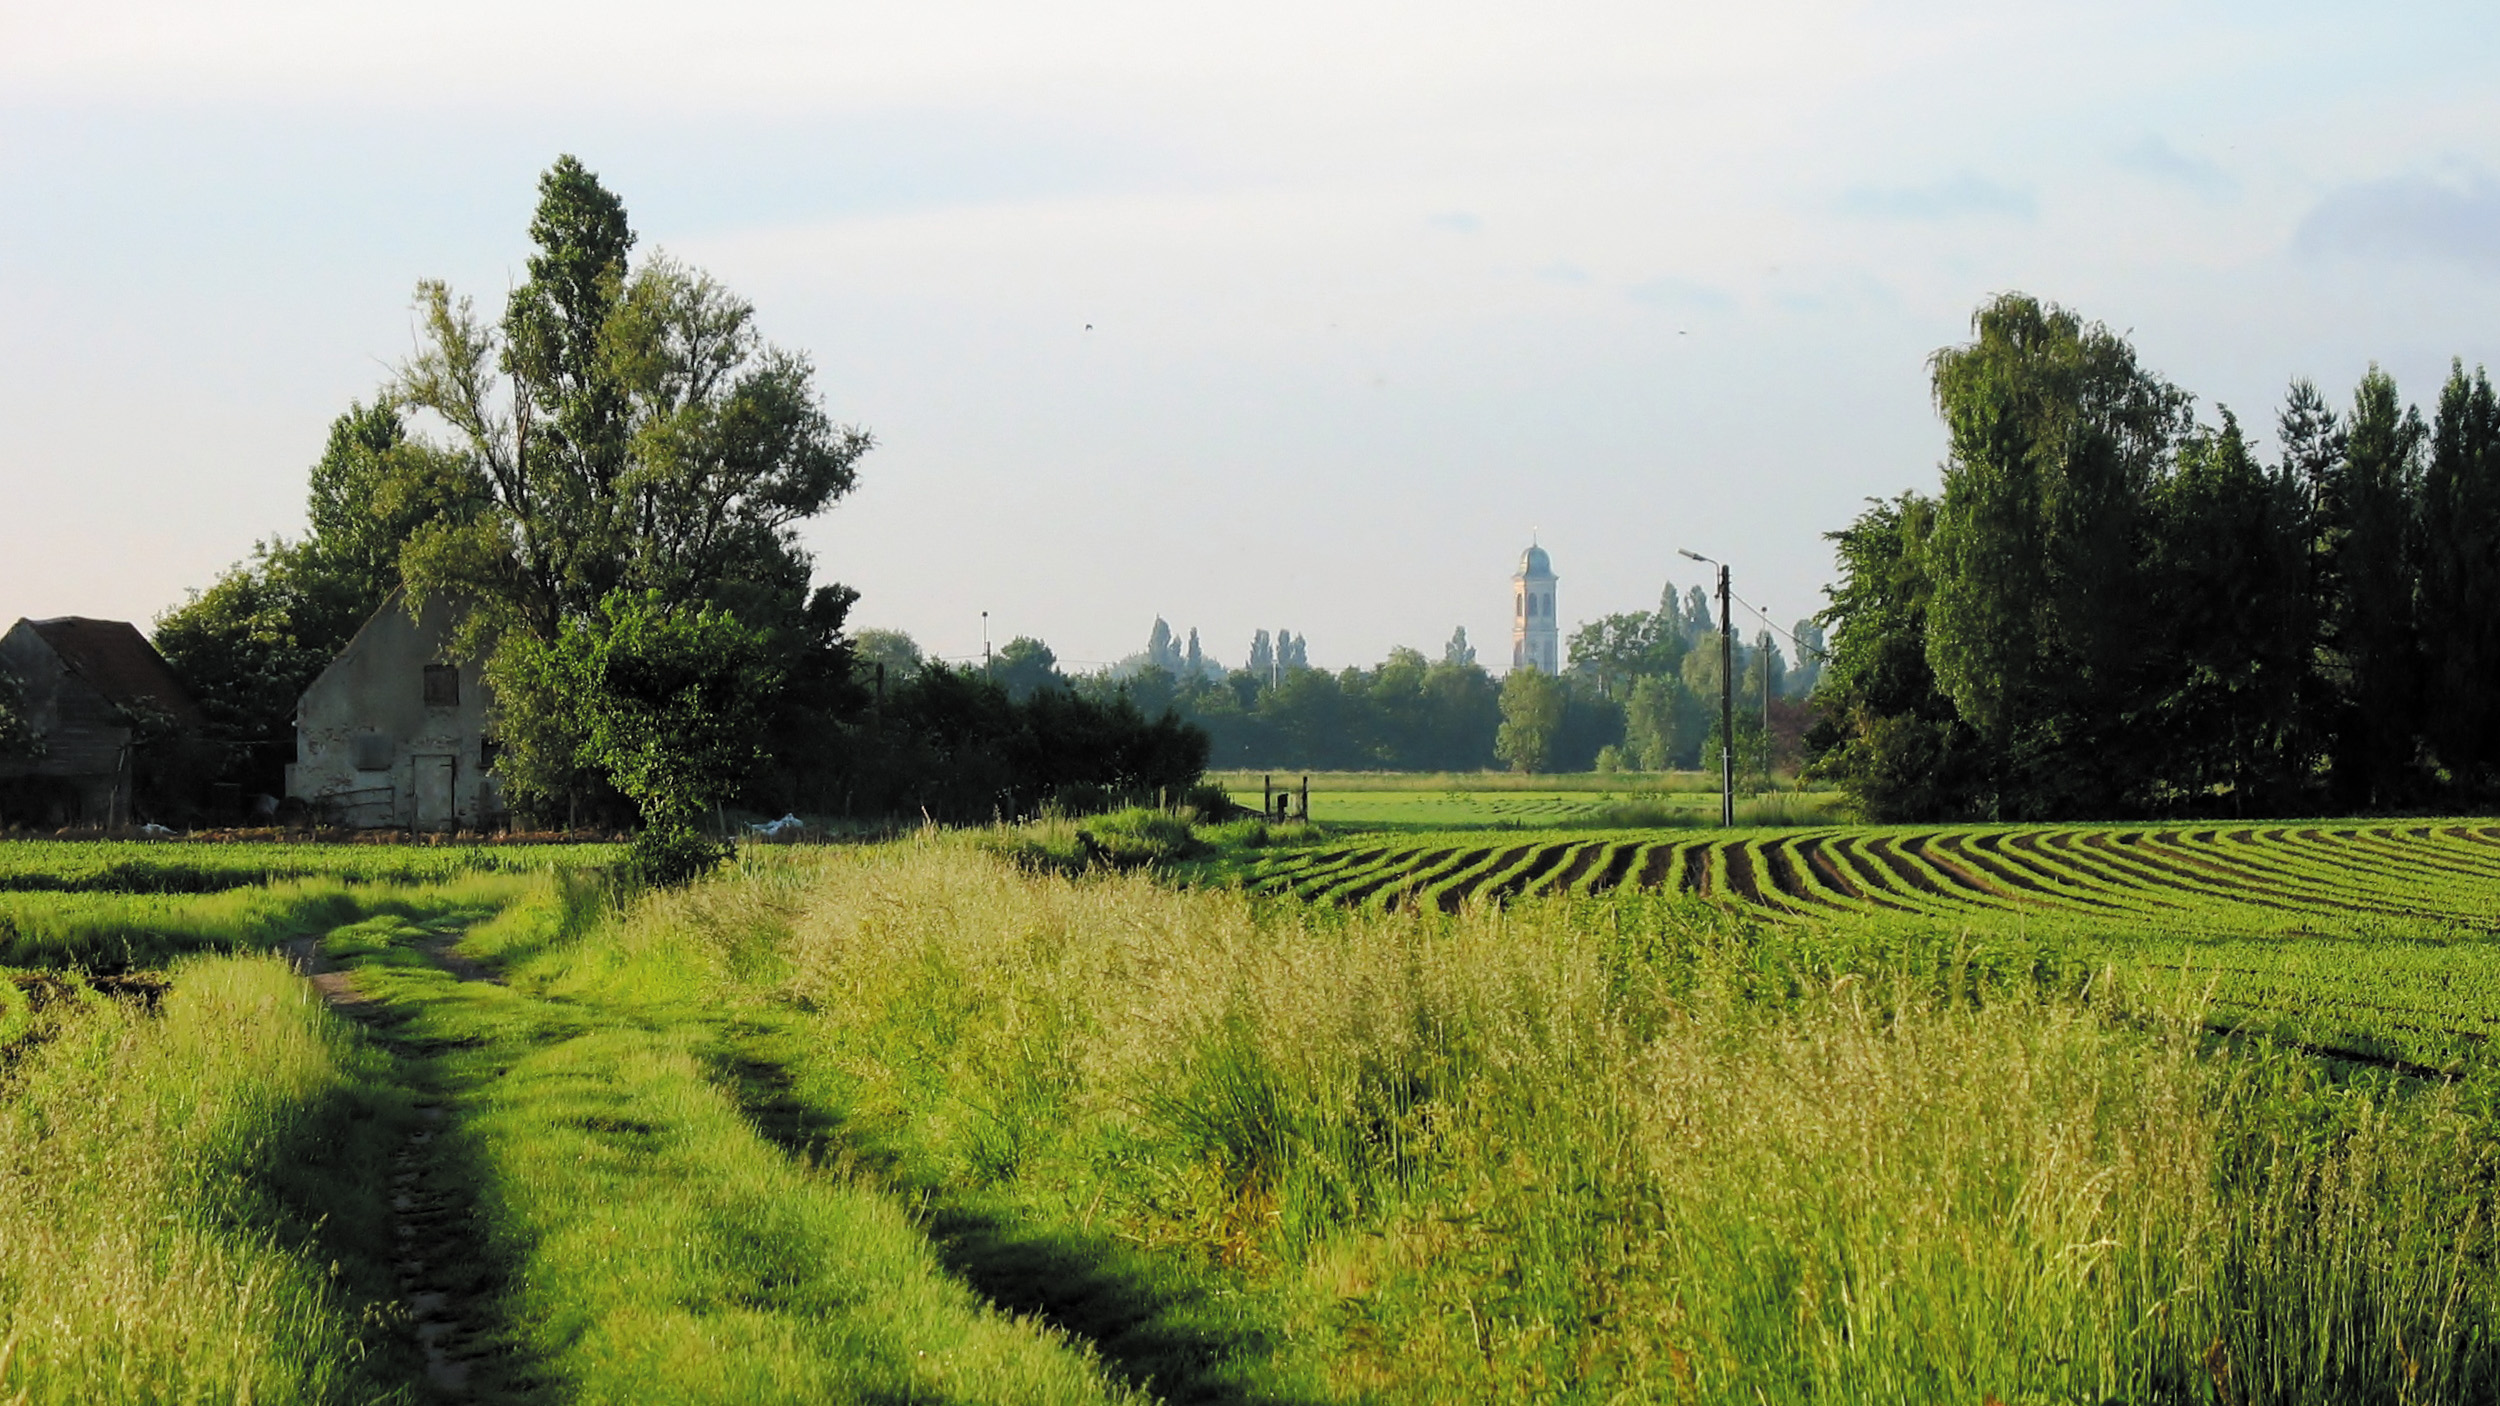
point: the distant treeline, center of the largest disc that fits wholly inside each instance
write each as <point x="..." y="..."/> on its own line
<point x="955" y="745"/>
<point x="1641" y="692"/>
<point x="2113" y="609"/>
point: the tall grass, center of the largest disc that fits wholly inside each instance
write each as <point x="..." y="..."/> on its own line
<point x="157" y="1174"/>
<point x="1625" y="1149"/>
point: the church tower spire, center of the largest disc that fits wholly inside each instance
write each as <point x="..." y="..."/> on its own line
<point x="1535" y="640"/>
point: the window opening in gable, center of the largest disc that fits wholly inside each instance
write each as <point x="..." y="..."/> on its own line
<point x="442" y="685"/>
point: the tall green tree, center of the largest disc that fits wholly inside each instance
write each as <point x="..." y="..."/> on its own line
<point x="2227" y="629"/>
<point x="2056" y="434"/>
<point x="671" y="704"/>
<point x="2312" y="441"/>
<point x="1664" y="724"/>
<point x="2460" y="575"/>
<point x="632" y="432"/>
<point x="2369" y="527"/>
<point x="1532" y="720"/>
<point x="1890" y="737"/>
<point x="667" y="448"/>
<point x="1615" y="652"/>
<point x="1025" y="666"/>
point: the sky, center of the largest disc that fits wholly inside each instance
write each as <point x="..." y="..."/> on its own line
<point x="1294" y="315"/>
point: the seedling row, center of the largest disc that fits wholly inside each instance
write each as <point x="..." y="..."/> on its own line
<point x="2238" y="878"/>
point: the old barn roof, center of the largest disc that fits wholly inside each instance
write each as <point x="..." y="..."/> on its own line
<point x="114" y="659"/>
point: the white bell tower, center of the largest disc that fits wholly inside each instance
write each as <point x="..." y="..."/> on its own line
<point x="1535" y="640"/>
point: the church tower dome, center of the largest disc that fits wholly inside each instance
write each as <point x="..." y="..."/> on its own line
<point x="1535" y="640"/>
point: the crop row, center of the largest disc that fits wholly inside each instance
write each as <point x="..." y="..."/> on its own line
<point x="2266" y="877"/>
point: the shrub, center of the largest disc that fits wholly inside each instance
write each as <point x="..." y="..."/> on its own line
<point x="666" y="858"/>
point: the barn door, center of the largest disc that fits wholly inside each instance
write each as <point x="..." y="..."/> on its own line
<point x="433" y="785"/>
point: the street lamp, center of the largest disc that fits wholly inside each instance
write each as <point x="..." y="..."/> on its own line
<point x="1727" y="693"/>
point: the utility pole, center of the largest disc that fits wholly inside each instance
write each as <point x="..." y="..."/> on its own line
<point x="1765" y="652"/>
<point x="985" y="640"/>
<point x="1727" y="694"/>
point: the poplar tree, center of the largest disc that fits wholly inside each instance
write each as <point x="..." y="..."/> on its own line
<point x="2460" y="571"/>
<point x="2227" y="630"/>
<point x="2370" y="529"/>
<point x="635" y="435"/>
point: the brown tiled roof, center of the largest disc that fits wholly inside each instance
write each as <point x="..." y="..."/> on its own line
<point x="114" y="659"/>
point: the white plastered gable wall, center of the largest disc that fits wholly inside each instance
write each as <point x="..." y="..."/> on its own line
<point x="391" y="735"/>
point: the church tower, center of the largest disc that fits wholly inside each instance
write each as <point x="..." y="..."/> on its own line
<point x="1535" y="641"/>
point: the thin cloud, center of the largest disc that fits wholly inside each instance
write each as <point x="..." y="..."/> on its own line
<point x="1681" y="295"/>
<point x="1456" y="222"/>
<point x="2155" y="157"/>
<point x="2407" y="218"/>
<point x="1965" y="194"/>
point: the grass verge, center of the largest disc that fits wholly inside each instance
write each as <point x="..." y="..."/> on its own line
<point x="189" y="1199"/>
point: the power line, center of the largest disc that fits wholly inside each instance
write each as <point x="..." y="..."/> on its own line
<point x="1802" y="647"/>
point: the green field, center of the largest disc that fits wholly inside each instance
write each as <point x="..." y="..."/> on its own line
<point x="1807" y="1114"/>
<point x="2199" y="877"/>
<point x="1423" y="801"/>
<point x="2374" y="941"/>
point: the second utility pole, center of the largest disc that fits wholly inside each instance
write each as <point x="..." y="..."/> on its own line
<point x="1727" y="707"/>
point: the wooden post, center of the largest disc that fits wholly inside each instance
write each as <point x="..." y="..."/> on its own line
<point x="1267" y="796"/>
<point x="1306" y="798"/>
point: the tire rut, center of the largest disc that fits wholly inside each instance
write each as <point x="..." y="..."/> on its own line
<point x="444" y="1280"/>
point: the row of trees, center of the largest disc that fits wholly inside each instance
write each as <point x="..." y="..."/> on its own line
<point x="1641" y="693"/>
<point x="2112" y="608"/>
<point x="1409" y="713"/>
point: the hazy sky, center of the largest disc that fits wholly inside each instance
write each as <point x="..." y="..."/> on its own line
<point x="1374" y="289"/>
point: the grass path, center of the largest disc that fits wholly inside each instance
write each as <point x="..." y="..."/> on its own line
<point x="636" y="1236"/>
<point x="444" y="1279"/>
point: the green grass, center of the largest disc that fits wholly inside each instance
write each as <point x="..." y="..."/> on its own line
<point x="1922" y="1115"/>
<point x="1434" y="801"/>
<point x="121" y="931"/>
<point x="658" y="1247"/>
<point x="2374" y="941"/>
<point x="190" y="1198"/>
<point x="195" y="1198"/>
<point x="1640" y="1147"/>
<point x="170" y="867"/>
<point x="1611" y="783"/>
